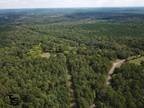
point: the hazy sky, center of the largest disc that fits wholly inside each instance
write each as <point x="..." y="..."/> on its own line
<point x="69" y="3"/>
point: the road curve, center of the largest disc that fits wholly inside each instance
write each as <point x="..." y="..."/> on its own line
<point x="116" y="64"/>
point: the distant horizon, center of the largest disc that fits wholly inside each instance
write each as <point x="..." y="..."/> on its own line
<point x="24" y="4"/>
<point x="71" y="7"/>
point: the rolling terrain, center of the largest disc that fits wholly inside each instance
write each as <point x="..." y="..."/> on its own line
<point x="64" y="58"/>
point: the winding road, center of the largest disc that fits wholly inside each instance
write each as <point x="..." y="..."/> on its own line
<point x="116" y="64"/>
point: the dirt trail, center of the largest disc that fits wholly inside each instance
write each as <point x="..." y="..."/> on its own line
<point x="73" y="95"/>
<point x="115" y="65"/>
<point x="72" y="88"/>
<point x="93" y="106"/>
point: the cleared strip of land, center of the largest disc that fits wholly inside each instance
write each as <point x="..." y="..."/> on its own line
<point x="115" y="65"/>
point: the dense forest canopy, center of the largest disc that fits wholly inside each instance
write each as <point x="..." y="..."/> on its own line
<point x="60" y="58"/>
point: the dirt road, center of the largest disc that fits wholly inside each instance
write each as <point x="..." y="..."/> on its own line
<point x="115" y="65"/>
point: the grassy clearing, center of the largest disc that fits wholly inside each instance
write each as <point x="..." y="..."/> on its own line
<point x="36" y="51"/>
<point x="45" y="55"/>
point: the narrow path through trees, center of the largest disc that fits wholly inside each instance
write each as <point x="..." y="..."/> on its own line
<point x="73" y="94"/>
<point x="71" y="85"/>
<point x="115" y="65"/>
